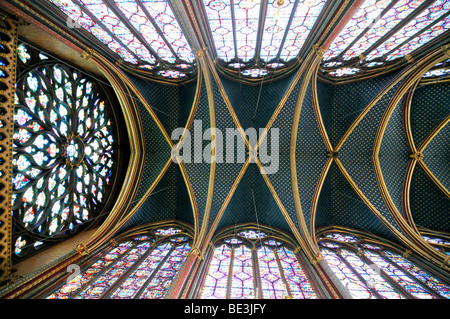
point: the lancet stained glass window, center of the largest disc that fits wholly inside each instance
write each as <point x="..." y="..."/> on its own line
<point x="260" y="36"/>
<point x="440" y="70"/>
<point x="144" y="33"/>
<point x="65" y="151"/>
<point x="253" y="265"/>
<point x="372" y="271"/>
<point x="440" y="243"/>
<point x="382" y="32"/>
<point x="142" y="266"/>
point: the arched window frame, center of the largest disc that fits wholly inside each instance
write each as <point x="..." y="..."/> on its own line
<point x="379" y="247"/>
<point x="144" y="234"/>
<point x="256" y="68"/>
<point x="253" y="245"/>
<point x="36" y="59"/>
<point x="143" y="58"/>
<point x="338" y="69"/>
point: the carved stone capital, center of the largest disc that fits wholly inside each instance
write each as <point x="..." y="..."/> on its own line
<point x="196" y="252"/>
<point x="200" y="53"/>
<point x="87" y="54"/>
<point x="407" y="253"/>
<point x="82" y="249"/>
<point x="319" y="50"/>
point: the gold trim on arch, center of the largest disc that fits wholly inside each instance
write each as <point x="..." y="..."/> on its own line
<point x="419" y="68"/>
<point x="313" y="61"/>
<point x="137" y="150"/>
<point x="433" y="134"/>
<point x="407" y="118"/>
<point x="355" y="187"/>
<point x="225" y="204"/>
<point x="315" y="199"/>
<point x="422" y="162"/>
<point x="434" y="179"/>
<point x="181" y="164"/>
<point x="283" y="210"/>
<point x="226" y="100"/>
<point x="112" y="228"/>
<point x="406" y="195"/>
<point x="317" y="112"/>
<point x="204" y="223"/>
<point x="374" y="101"/>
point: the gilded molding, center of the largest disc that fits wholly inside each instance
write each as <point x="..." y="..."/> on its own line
<point x="407" y="254"/>
<point x="406" y="193"/>
<point x="319" y="50"/>
<point x="284" y="212"/>
<point x="82" y="249"/>
<point x="200" y="53"/>
<point x="317" y="112"/>
<point x="181" y="164"/>
<point x="7" y="103"/>
<point x="434" y="179"/>
<point x="369" y="107"/>
<point x="418" y="156"/>
<point x="446" y="263"/>
<point x="88" y="53"/>
<point x="415" y="240"/>
<point x="372" y="207"/>
<point x="227" y="201"/>
<point x="433" y="134"/>
<point x="199" y="241"/>
<point x="409" y="58"/>
<point x="446" y="50"/>
<point x="216" y="78"/>
<point x="196" y="252"/>
<point x="319" y="257"/>
<point x="311" y="68"/>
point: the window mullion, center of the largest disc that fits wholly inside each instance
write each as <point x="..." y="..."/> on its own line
<point x="401" y="25"/>
<point x="358" y="275"/>
<point x="256" y="274"/>
<point x="149" y="279"/>
<point x="125" y="275"/>
<point x="417" y="281"/>
<point x="399" y="288"/>
<point x="389" y="7"/>
<point x="97" y="21"/>
<point x="288" y="26"/>
<point x="230" y="273"/>
<point x="262" y="21"/>
<point x="157" y="28"/>
<point x="131" y="28"/>
<point x="283" y="276"/>
<point x="103" y="271"/>
<point x="233" y="24"/>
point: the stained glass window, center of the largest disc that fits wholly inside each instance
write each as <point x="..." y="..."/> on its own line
<point x="440" y="70"/>
<point x="144" y="33"/>
<point x="243" y="38"/>
<point x="373" y="271"/>
<point x="382" y="32"/>
<point x="252" y="265"/>
<point x="65" y="151"/>
<point x="441" y="243"/>
<point x="138" y="267"/>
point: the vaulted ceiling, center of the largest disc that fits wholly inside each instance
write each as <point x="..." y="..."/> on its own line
<point x="368" y="151"/>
